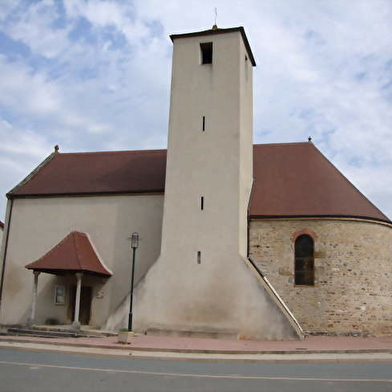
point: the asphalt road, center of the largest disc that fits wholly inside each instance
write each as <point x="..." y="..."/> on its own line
<point x="30" y="371"/>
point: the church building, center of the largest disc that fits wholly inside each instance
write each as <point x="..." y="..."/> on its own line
<point x="235" y="240"/>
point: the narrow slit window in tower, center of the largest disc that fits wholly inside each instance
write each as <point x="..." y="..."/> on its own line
<point x="198" y="257"/>
<point x="202" y="203"/>
<point x="206" y="52"/>
<point x="204" y="123"/>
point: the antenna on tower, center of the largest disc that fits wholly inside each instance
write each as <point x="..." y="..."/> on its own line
<point x="215" y="26"/>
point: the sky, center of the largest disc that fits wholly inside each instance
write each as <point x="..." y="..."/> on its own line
<point x="95" y="75"/>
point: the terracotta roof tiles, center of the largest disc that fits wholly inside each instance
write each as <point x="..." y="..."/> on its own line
<point x="74" y="253"/>
<point x="291" y="179"/>
<point x="98" y="172"/>
<point x="297" y="180"/>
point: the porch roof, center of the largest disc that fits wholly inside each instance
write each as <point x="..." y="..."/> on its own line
<point x="74" y="253"/>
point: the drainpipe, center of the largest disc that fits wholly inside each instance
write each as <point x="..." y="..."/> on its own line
<point x="5" y="242"/>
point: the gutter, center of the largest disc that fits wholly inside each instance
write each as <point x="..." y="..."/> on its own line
<point x="86" y="194"/>
<point x="353" y="218"/>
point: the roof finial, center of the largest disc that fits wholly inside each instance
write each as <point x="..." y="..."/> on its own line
<point x="215" y="26"/>
<point x="56" y="148"/>
<point x="309" y="139"/>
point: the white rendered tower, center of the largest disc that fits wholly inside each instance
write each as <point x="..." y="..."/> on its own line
<point x="201" y="281"/>
<point x="209" y="164"/>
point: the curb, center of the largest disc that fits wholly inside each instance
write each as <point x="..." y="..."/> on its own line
<point x="89" y="351"/>
<point x="130" y="347"/>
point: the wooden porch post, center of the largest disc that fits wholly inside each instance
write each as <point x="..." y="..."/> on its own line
<point x="76" y="323"/>
<point x="30" y="320"/>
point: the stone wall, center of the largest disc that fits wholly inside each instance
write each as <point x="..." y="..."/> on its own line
<point x="353" y="273"/>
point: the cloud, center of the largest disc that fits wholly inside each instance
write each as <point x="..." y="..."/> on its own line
<point x="24" y="91"/>
<point x="20" y="151"/>
<point x="15" y="142"/>
<point x="101" y="13"/>
<point x="35" y="25"/>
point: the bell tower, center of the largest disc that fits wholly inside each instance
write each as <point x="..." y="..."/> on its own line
<point x="209" y="161"/>
<point x="200" y="281"/>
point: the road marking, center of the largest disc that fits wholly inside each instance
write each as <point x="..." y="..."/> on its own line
<point x="227" y="376"/>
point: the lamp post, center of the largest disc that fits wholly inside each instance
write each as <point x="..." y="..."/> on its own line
<point x="134" y="244"/>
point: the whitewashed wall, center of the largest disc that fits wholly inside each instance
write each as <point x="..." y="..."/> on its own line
<point x="38" y="224"/>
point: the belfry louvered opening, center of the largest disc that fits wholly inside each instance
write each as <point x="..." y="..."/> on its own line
<point x="206" y="52"/>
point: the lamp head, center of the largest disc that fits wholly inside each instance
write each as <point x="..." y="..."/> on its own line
<point x="134" y="240"/>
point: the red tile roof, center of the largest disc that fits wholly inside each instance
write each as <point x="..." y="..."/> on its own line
<point x="74" y="253"/>
<point x="98" y="172"/>
<point x="297" y="180"/>
<point x="292" y="179"/>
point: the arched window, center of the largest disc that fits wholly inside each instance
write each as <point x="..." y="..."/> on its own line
<point x="304" y="260"/>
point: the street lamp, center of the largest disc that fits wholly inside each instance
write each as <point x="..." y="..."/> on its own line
<point x="134" y="244"/>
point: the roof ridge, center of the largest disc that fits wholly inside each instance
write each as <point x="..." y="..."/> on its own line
<point x="108" y="152"/>
<point x="113" y="152"/>
<point x="280" y="144"/>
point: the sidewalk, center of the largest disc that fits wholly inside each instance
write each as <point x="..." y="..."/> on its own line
<point x="313" y="348"/>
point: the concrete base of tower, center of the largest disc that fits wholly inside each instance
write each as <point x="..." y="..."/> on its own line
<point x="184" y="300"/>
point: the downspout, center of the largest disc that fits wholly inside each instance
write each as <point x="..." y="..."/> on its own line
<point x="7" y="234"/>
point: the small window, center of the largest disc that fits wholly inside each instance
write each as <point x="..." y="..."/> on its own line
<point x="304" y="261"/>
<point x="204" y="123"/>
<point x="202" y="203"/>
<point x="206" y="52"/>
<point x="59" y="295"/>
<point x="198" y="257"/>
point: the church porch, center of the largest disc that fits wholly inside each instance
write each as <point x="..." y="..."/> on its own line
<point x="78" y="271"/>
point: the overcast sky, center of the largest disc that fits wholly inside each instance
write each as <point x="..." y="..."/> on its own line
<point x="95" y="75"/>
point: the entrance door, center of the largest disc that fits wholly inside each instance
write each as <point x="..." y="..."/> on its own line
<point x="85" y="304"/>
